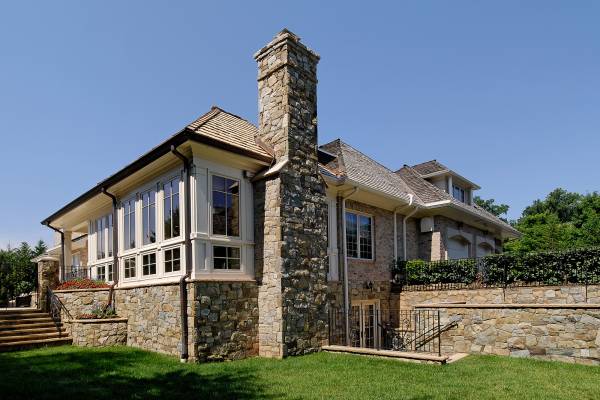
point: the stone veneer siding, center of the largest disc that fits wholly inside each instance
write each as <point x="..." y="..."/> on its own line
<point x="98" y="332"/>
<point x="292" y="234"/>
<point x="226" y="320"/>
<point x="559" y="332"/>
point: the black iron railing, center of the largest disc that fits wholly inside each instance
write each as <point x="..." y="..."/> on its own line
<point x="69" y="273"/>
<point x="579" y="266"/>
<point x="398" y="330"/>
<point x="56" y="308"/>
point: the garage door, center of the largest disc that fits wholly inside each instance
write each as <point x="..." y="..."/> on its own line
<point x="458" y="247"/>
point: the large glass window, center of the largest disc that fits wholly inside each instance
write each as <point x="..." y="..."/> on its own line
<point x="172" y="260"/>
<point x="359" y="236"/>
<point x="101" y="273"/>
<point x="129" y="267"/>
<point x="100" y="238"/>
<point x="110" y="235"/>
<point x="171" y="209"/>
<point x="225" y="257"/>
<point x="149" y="217"/>
<point x="149" y="264"/>
<point x="129" y="224"/>
<point x="110" y="272"/>
<point x="225" y="206"/>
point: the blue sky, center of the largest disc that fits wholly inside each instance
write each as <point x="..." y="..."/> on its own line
<point x="506" y="93"/>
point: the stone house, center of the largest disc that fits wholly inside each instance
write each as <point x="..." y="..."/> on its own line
<point x="257" y="230"/>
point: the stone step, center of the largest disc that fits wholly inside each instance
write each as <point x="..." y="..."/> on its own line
<point x="19" y="311"/>
<point x="23" y="321"/>
<point x="34" y="336"/>
<point x="13" y="327"/>
<point x="11" y="317"/>
<point x="29" y="344"/>
<point x="30" y="331"/>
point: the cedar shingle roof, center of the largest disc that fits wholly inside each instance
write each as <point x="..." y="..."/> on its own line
<point x="356" y="166"/>
<point x="228" y="128"/>
<point x="429" y="167"/>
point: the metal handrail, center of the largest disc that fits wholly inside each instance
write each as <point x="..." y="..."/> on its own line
<point x="56" y="306"/>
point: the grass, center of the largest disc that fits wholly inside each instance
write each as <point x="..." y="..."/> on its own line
<point x="120" y="372"/>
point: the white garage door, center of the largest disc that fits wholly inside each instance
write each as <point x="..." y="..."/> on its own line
<point x="458" y="247"/>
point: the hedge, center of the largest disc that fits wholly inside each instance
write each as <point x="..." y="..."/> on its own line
<point x="548" y="268"/>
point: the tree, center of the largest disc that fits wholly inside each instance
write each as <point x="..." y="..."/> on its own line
<point x="491" y="206"/>
<point x="565" y="205"/>
<point x="17" y="272"/>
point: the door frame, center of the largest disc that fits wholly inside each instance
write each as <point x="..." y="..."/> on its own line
<point x="362" y="324"/>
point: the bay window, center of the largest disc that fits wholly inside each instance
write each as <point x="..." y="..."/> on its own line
<point x="171" y="209"/>
<point x="359" y="236"/>
<point x="103" y="229"/>
<point x="225" y="206"/>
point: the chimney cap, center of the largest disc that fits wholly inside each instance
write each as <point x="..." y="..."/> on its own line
<point x="283" y="35"/>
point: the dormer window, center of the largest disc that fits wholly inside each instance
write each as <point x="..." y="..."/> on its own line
<point x="458" y="193"/>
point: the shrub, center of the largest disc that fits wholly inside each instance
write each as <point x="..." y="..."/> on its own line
<point x="82" y="284"/>
<point x="100" y="311"/>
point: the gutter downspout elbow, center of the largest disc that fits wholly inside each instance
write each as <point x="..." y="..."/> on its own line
<point x="187" y="166"/>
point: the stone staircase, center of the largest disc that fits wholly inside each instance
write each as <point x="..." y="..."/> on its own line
<point x="22" y="329"/>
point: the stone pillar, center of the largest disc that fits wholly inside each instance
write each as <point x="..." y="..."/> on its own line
<point x="47" y="277"/>
<point x="291" y="206"/>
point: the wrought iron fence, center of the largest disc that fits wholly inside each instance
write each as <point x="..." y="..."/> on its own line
<point x="579" y="266"/>
<point x="398" y="330"/>
<point x="70" y="273"/>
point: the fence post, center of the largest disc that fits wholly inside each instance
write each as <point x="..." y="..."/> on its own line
<point x="439" y="334"/>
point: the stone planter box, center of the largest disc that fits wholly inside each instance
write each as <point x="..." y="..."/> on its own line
<point x="98" y="332"/>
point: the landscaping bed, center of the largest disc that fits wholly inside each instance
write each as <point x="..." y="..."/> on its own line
<point x="122" y="372"/>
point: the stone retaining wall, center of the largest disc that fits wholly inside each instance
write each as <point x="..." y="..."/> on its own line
<point x="567" y="333"/>
<point x="81" y="301"/>
<point x="98" y="332"/>
<point x="575" y="294"/>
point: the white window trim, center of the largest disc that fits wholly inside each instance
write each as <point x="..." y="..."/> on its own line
<point x="143" y="277"/>
<point x="226" y="271"/>
<point x="143" y="191"/>
<point x="351" y="211"/>
<point x="137" y="267"/>
<point x="181" y="260"/>
<point x="161" y="188"/>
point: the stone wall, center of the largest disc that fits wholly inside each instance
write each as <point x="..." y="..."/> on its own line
<point x="98" y="332"/>
<point x="558" y="332"/>
<point x="226" y="320"/>
<point x="81" y="301"/>
<point x="47" y="278"/>
<point x="575" y="294"/>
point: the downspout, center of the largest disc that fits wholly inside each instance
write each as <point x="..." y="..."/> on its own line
<point x="115" y="237"/>
<point x="410" y="202"/>
<point x="346" y="293"/>
<point x="187" y="166"/>
<point x="62" y="250"/>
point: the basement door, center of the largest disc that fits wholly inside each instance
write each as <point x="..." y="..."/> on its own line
<point x="365" y="323"/>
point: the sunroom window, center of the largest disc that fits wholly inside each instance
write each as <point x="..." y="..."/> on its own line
<point x="149" y="217"/>
<point x="171" y="209"/>
<point x="172" y="260"/>
<point x="149" y="264"/>
<point x="226" y="257"/>
<point x="103" y="229"/>
<point x="129" y="224"/>
<point x="225" y="206"/>
<point x="129" y="269"/>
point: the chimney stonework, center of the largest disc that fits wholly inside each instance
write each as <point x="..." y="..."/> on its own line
<point x="291" y="206"/>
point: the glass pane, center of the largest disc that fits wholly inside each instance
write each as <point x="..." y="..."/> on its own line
<point x="167" y="218"/>
<point x="168" y="255"/>
<point x="233" y="263"/>
<point x="219" y="215"/>
<point x="220" y="263"/>
<point x="152" y="223"/>
<point x="233" y="215"/>
<point x="220" y="251"/>
<point x="233" y="187"/>
<point x="233" y="252"/>
<point x="218" y="183"/>
<point x="351" y="235"/>
<point x="176" y="222"/>
<point x="176" y="265"/>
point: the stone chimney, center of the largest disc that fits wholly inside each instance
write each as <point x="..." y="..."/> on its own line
<point x="290" y="204"/>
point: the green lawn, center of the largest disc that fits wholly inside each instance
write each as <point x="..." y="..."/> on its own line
<point x="71" y="373"/>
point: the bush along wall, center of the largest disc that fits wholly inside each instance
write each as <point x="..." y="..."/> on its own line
<point x="577" y="266"/>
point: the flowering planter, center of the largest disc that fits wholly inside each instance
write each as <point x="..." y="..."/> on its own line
<point x="98" y="332"/>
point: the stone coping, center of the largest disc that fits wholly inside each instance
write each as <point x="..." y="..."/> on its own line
<point x="508" y="305"/>
<point x="81" y="290"/>
<point x="388" y="353"/>
<point x="96" y="321"/>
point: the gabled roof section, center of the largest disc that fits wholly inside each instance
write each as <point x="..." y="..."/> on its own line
<point x="430" y="193"/>
<point x="357" y="167"/>
<point x="228" y="128"/>
<point x="430" y="167"/>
